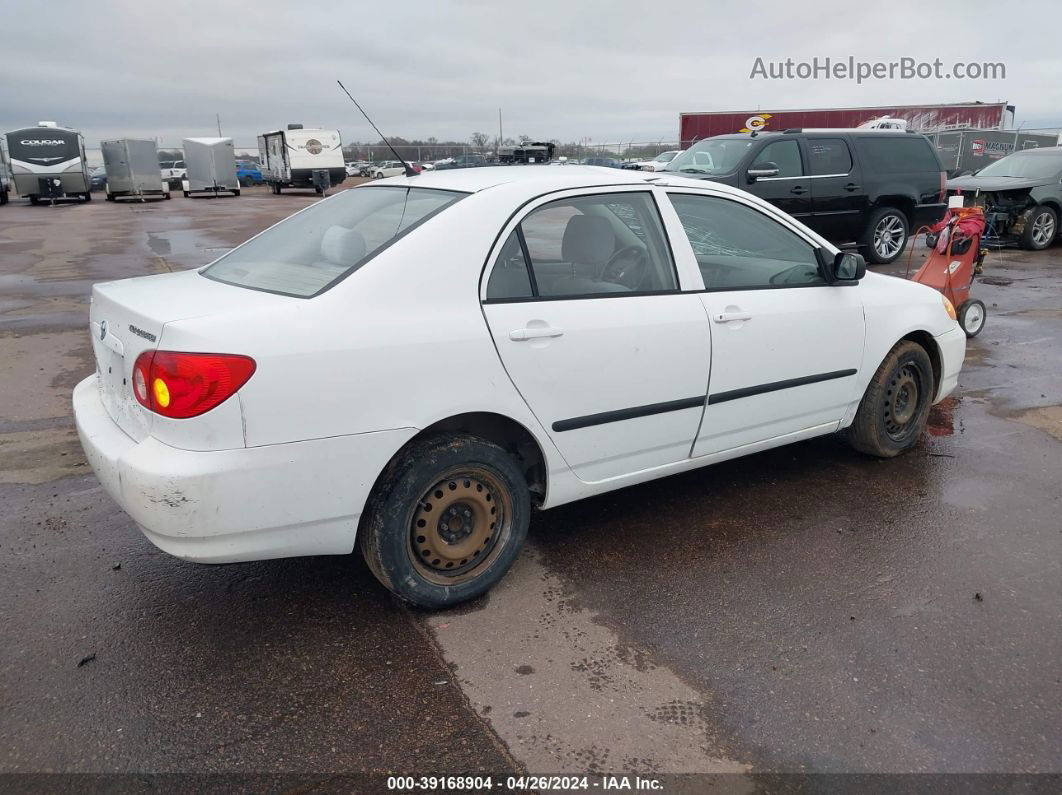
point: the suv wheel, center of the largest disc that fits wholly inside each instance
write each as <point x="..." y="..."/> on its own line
<point x="446" y="520"/>
<point x="886" y="235"/>
<point x="1040" y="229"/>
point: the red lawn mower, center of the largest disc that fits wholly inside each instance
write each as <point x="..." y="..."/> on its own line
<point x="956" y="258"/>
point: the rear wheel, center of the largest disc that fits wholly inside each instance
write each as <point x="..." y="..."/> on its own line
<point x="446" y="521"/>
<point x="886" y="235"/>
<point x="972" y="317"/>
<point x="87" y="196"/>
<point x="1040" y="229"/>
<point x="3" y="197"/>
<point x="35" y="200"/>
<point x="894" y="409"/>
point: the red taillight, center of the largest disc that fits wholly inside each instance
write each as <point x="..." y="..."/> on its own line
<point x="182" y="385"/>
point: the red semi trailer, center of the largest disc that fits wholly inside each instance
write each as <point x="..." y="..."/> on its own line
<point x="923" y="118"/>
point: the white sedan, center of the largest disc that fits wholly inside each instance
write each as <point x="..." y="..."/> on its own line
<point x="660" y="162"/>
<point x="413" y="365"/>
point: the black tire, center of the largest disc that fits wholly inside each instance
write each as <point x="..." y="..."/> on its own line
<point x="443" y="475"/>
<point x="166" y="195"/>
<point x="1041" y="229"/>
<point x="35" y="200"/>
<point x="885" y="236"/>
<point x="187" y="194"/>
<point x="886" y="423"/>
<point x="3" y="197"/>
<point x="110" y="197"/>
<point x="972" y="316"/>
<point x="87" y="195"/>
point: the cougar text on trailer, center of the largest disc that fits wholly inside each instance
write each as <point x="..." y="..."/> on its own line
<point x="133" y="169"/>
<point x="48" y="162"/>
<point x="210" y="165"/>
<point x="302" y="158"/>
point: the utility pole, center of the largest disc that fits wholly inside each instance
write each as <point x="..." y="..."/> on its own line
<point x="218" y="117"/>
<point x="500" y="138"/>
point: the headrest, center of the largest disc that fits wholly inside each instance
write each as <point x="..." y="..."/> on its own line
<point x="588" y="239"/>
<point x="342" y="246"/>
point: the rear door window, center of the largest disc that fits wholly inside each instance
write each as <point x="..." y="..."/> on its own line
<point x="829" y="156"/>
<point x="318" y="247"/>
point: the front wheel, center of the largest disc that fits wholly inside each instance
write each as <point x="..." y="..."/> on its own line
<point x="1040" y="229"/>
<point x="886" y="235"/>
<point x="895" y="407"/>
<point x="972" y="317"/>
<point x="446" y="521"/>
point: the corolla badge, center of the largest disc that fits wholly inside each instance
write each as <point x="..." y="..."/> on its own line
<point x="103" y="330"/>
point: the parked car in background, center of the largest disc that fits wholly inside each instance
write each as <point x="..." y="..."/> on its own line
<point x="607" y="330"/>
<point x="471" y="160"/>
<point x="98" y="178"/>
<point x="173" y="172"/>
<point x="868" y="187"/>
<point x="1021" y="194"/>
<point x="390" y="168"/>
<point x="607" y="162"/>
<point x="659" y="163"/>
<point x="5" y="180"/>
<point x="248" y="173"/>
<point x="358" y="168"/>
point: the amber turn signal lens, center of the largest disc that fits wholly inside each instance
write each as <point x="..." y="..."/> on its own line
<point x="948" y="307"/>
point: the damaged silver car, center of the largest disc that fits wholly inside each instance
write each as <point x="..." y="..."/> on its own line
<point x="1021" y="194"/>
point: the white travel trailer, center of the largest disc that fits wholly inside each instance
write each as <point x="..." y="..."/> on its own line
<point x="133" y="169"/>
<point x="48" y="162"/>
<point x="302" y="158"/>
<point x="210" y="165"/>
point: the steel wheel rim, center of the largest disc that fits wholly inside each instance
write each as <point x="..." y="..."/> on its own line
<point x="1043" y="229"/>
<point x="974" y="317"/>
<point x="902" y="401"/>
<point x="888" y="235"/>
<point x="459" y="525"/>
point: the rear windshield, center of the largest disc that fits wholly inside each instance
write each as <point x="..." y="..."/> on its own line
<point x="314" y="249"/>
<point x="893" y="154"/>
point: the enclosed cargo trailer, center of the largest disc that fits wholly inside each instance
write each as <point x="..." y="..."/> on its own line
<point x="5" y="177"/>
<point x="211" y="166"/>
<point x="48" y="162"/>
<point x="302" y="158"/>
<point x="966" y="151"/>
<point x="132" y="166"/>
<point x="920" y="118"/>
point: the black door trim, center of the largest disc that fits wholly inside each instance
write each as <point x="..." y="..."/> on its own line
<point x="628" y="414"/>
<point x="774" y="386"/>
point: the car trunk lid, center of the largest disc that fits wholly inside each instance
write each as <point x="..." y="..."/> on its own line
<point x="127" y="318"/>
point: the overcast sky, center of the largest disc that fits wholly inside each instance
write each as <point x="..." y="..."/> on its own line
<point x="608" y="71"/>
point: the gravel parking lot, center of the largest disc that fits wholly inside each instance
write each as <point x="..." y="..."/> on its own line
<point x="805" y="609"/>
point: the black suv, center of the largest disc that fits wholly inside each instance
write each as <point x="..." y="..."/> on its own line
<point x="869" y="187"/>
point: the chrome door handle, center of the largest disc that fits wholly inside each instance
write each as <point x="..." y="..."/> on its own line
<point x="521" y="334"/>
<point x="727" y="317"/>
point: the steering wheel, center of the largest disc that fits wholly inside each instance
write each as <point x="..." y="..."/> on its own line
<point x="627" y="267"/>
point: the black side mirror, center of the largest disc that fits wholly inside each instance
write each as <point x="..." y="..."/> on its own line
<point x="847" y="268"/>
<point x="762" y="170"/>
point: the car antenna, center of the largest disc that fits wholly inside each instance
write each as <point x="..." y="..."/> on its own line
<point x="409" y="169"/>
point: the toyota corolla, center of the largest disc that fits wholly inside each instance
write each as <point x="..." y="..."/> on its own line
<point x="412" y="366"/>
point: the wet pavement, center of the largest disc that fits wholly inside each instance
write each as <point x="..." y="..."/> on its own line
<point x="804" y="609"/>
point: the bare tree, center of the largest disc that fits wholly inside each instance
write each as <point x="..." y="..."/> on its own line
<point x="479" y="140"/>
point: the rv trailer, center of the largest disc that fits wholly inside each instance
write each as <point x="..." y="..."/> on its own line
<point x="48" y="162"/>
<point x="211" y="166"/>
<point x="133" y="169"/>
<point x="302" y="158"/>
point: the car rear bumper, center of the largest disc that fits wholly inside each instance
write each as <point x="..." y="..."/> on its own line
<point x="275" y="501"/>
<point x="952" y="345"/>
